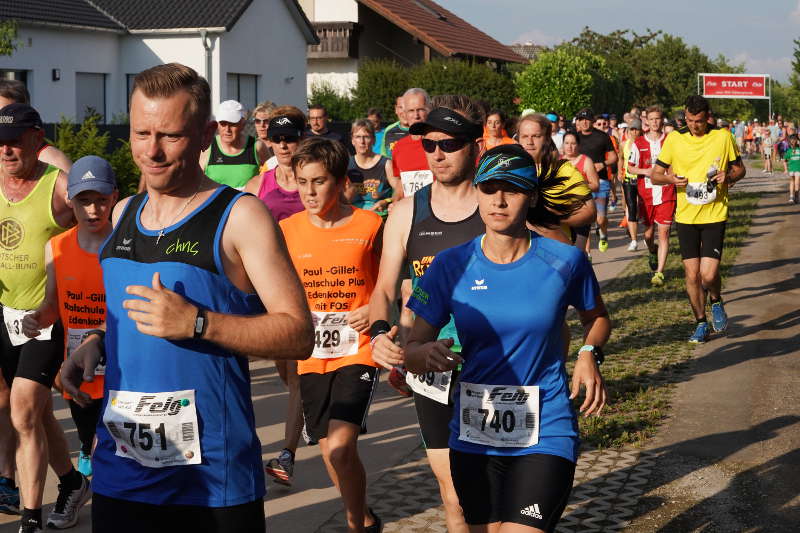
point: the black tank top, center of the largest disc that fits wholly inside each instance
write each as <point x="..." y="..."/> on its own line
<point x="428" y="235"/>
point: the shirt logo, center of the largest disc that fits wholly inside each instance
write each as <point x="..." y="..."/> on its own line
<point x="479" y="285"/>
<point x="420" y="266"/>
<point x="126" y="242"/>
<point x="11" y="233"/>
<point x="188" y="247"/>
<point x="504" y="161"/>
<point x="453" y="120"/>
<point x="429" y="234"/>
<point x="88" y="176"/>
<point x="6" y="119"/>
<point x="125" y="246"/>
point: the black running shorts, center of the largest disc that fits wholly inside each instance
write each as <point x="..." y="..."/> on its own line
<point x="38" y="361"/>
<point x="111" y="515"/>
<point x="343" y="394"/>
<point x="531" y="490"/>
<point x="631" y="193"/>
<point x="701" y="240"/>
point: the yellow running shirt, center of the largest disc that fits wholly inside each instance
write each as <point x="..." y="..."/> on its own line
<point x="25" y="227"/>
<point x="692" y="157"/>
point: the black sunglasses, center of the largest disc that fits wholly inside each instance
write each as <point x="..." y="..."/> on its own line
<point x="277" y="139"/>
<point x="445" y="145"/>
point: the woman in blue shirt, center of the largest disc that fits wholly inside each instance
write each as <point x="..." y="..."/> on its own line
<point x="514" y="435"/>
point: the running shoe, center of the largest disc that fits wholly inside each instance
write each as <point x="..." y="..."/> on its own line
<point x="377" y="527"/>
<point x="652" y="260"/>
<point x="700" y="333"/>
<point x="624" y="222"/>
<point x="719" y="318"/>
<point x="602" y="245"/>
<point x="612" y="206"/>
<point x="85" y="464"/>
<point x="281" y="468"/>
<point x="68" y="504"/>
<point x="633" y="246"/>
<point x="791" y="199"/>
<point x="397" y="379"/>
<point x="658" y="279"/>
<point x="30" y="528"/>
<point x="9" y="497"/>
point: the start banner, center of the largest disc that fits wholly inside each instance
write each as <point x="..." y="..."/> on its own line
<point x="735" y="85"/>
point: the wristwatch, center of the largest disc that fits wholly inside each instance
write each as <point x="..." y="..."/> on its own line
<point x="200" y="323"/>
<point x="599" y="357"/>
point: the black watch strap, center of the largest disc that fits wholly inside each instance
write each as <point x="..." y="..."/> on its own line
<point x="200" y="323"/>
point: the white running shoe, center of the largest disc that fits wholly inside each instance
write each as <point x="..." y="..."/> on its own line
<point x="65" y="513"/>
<point x="633" y="246"/>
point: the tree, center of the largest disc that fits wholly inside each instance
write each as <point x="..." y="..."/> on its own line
<point x="564" y="80"/>
<point x="380" y="82"/>
<point x="8" y="37"/>
<point x="338" y="106"/>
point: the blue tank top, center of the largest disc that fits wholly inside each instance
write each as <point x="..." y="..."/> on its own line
<point x="189" y="261"/>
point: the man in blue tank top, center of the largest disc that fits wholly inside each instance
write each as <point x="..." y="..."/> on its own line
<point x="185" y="280"/>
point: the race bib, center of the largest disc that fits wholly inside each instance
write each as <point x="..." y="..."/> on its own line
<point x="75" y="337"/>
<point x="697" y="193"/>
<point x="414" y="180"/>
<point x="433" y="385"/>
<point x="333" y="337"/>
<point x="502" y="416"/>
<point x="13" y="321"/>
<point x="154" y="429"/>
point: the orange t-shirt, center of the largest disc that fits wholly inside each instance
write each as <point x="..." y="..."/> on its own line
<point x="81" y="297"/>
<point x="338" y="268"/>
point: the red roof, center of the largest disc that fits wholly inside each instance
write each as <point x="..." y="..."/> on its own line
<point x="440" y="29"/>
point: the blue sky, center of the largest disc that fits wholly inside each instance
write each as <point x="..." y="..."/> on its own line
<point x="757" y="33"/>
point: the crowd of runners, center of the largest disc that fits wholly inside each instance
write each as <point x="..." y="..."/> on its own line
<point x="445" y="248"/>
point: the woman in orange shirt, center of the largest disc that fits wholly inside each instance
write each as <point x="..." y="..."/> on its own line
<point x="494" y="131"/>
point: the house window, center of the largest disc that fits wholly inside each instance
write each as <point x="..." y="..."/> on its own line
<point x="90" y="95"/>
<point x="19" y="75"/>
<point x="244" y="89"/>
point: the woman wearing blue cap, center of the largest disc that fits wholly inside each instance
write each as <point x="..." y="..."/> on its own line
<point x="514" y="434"/>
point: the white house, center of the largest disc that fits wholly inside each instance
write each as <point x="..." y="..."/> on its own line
<point x="407" y="31"/>
<point x="75" y="54"/>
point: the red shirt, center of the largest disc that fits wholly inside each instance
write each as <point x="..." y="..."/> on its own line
<point x="645" y="154"/>
<point x="409" y="162"/>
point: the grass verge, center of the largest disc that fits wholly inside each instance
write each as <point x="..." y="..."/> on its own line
<point x="648" y="351"/>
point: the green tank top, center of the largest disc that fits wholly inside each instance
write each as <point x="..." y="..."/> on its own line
<point x="24" y="231"/>
<point x="232" y="170"/>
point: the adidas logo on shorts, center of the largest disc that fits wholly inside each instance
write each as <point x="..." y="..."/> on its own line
<point x="365" y="377"/>
<point x="532" y="511"/>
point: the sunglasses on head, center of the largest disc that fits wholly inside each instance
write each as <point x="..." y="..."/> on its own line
<point x="277" y="139"/>
<point x="445" y="145"/>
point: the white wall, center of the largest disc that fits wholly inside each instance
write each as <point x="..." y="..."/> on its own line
<point x="335" y="11"/>
<point x="70" y="51"/>
<point x="266" y="41"/>
<point x="342" y="73"/>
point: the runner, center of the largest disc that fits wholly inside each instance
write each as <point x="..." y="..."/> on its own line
<point x="34" y="209"/>
<point x="261" y="116"/>
<point x="368" y="173"/>
<point x="335" y="245"/>
<point x="318" y="123"/>
<point x="585" y="166"/>
<point x="510" y="466"/>
<point x="409" y="164"/>
<point x="656" y="202"/>
<point x="14" y="91"/>
<point x="791" y="166"/>
<point x="233" y="157"/>
<point x="437" y="217"/>
<point x="394" y="131"/>
<point x="277" y="188"/>
<point x="629" y="188"/>
<point x="494" y="131"/>
<point x="705" y="163"/>
<point x="187" y="280"/>
<point x="375" y="117"/>
<point x="74" y="293"/>
<point x="597" y="145"/>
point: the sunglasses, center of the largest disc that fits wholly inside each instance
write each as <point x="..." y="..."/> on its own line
<point x="445" y="145"/>
<point x="260" y="121"/>
<point x="288" y="139"/>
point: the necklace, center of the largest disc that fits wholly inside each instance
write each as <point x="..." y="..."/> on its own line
<point x="161" y="231"/>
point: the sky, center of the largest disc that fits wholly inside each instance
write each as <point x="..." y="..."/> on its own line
<point x="756" y="33"/>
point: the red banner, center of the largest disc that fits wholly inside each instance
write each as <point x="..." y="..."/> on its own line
<point x="735" y="86"/>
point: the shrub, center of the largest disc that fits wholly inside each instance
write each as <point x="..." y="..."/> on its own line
<point x="380" y="82"/>
<point x="339" y="107"/>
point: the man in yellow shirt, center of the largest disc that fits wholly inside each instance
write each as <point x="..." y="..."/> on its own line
<point x="704" y="162"/>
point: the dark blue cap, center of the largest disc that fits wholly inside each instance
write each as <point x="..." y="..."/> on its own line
<point x="91" y="173"/>
<point x="15" y="119"/>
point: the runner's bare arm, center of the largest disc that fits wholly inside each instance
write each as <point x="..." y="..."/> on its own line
<point x="394" y="182"/>
<point x="254" y="184"/>
<point x="733" y="173"/>
<point x="425" y="354"/>
<point x="47" y="312"/>
<point x="592" y="178"/>
<point x="596" y="328"/>
<point x="204" y="155"/>
<point x="62" y="211"/>
<point x="395" y="234"/>
<point x="662" y="176"/>
<point x="262" y="150"/>
<point x="53" y="156"/>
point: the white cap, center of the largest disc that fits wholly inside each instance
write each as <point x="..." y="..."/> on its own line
<point x="622" y="125"/>
<point x="230" y="111"/>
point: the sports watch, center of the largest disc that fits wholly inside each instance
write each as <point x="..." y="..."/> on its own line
<point x="200" y="323"/>
<point x="599" y="357"/>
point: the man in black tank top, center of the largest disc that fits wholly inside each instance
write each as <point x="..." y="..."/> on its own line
<point x="439" y="216"/>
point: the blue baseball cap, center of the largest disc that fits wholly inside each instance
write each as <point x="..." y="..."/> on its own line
<point x="91" y="173"/>
<point x="508" y="162"/>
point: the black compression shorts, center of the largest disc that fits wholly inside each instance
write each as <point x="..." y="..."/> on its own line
<point x="531" y="490"/>
<point x="434" y="418"/>
<point x="631" y="193"/>
<point x="38" y="361"/>
<point x="701" y="240"/>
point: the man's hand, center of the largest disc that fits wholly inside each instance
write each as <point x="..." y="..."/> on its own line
<point x="358" y="319"/>
<point x="435" y="356"/>
<point x="587" y="374"/>
<point x="163" y="313"/>
<point x="385" y="352"/>
<point x="30" y="324"/>
<point x="79" y="367"/>
<point x="599" y="166"/>
<point x="679" y="181"/>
